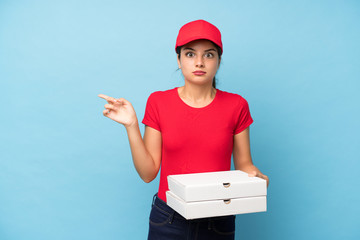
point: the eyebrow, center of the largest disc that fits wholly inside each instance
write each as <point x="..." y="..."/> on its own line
<point x="208" y="50"/>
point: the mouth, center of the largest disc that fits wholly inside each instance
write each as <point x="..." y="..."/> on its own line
<point x="199" y="73"/>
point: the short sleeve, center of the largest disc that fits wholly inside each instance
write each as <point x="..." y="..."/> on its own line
<point x="151" y="116"/>
<point x="243" y="117"/>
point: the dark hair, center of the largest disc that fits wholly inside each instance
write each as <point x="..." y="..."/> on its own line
<point x="218" y="49"/>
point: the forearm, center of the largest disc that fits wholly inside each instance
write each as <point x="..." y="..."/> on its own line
<point x="251" y="169"/>
<point x="143" y="162"/>
<point x="244" y="162"/>
<point x="248" y="168"/>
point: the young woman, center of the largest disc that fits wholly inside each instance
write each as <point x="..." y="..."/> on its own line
<point x="189" y="129"/>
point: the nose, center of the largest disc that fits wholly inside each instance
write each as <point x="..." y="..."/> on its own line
<point x="199" y="62"/>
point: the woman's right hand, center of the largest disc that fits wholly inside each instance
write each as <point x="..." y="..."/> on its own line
<point x="119" y="110"/>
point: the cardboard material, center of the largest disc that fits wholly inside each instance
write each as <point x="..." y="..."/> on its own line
<point x="213" y="194"/>
<point x="216" y="185"/>
<point x="213" y="208"/>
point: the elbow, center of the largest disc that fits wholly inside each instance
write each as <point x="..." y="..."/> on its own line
<point x="148" y="179"/>
<point x="149" y="175"/>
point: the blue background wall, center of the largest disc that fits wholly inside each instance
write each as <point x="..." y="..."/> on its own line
<point x="66" y="171"/>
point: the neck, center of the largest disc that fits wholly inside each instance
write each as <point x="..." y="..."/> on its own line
<point x="197" y="95"/>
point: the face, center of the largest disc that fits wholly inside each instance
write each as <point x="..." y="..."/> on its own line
<point x="199" y="61"/>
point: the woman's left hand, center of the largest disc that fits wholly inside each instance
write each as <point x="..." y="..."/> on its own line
<point x="260" y="175"/>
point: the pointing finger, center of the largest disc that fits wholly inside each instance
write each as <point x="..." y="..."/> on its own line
<point x="103" y="96"/>
<point x="107" y="98"/>
<point x="121" y="101"/>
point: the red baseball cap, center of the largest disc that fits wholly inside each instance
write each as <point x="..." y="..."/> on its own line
<point x="196" y="30"/>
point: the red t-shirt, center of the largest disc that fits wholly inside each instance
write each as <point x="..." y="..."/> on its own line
<point x="195" y="140"/>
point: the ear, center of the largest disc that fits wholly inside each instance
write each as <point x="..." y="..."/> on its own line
<point x="178" y="61"/>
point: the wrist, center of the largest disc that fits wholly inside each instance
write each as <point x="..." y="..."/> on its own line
<point x="134" y="124"/>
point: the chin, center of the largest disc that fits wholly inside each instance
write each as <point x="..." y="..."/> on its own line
<point x="199" y="83"/>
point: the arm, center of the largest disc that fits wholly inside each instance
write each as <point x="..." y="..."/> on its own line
<point x="146" y="153"/>
<point x="242" y="155"/>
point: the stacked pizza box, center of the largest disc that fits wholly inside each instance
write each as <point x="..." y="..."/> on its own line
<point x="201" y="195"/>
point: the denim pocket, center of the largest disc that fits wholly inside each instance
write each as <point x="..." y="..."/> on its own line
<point x="158" y="216"/>
<point x="224" y="225"/>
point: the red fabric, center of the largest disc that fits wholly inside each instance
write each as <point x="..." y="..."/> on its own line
<point x="199" y="29"/>
<point x="195" y="140"/>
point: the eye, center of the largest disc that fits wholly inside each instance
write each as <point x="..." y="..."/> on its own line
<point x="209" y="55"/>
<point x="189" y="54"/>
